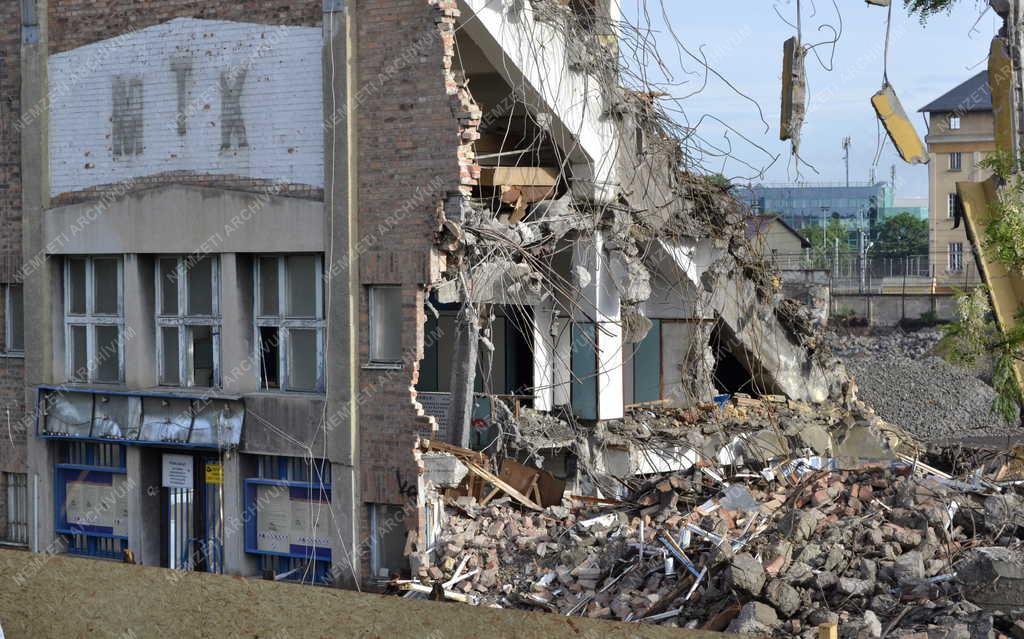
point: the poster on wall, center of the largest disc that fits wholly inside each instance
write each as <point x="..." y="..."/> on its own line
<point x="287" y="521"/>
<point x="101" y="505"/>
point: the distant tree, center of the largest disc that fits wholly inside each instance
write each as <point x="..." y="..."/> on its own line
<point x="823" y="241"/>
<point x="927" y="8"/>
<point x="902" y="234"/>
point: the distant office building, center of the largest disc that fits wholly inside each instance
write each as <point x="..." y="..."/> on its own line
<point x="916" y="206"/>
<point x="804" y="204"/>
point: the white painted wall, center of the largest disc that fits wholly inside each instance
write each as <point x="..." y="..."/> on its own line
<point x="282" y="104"/>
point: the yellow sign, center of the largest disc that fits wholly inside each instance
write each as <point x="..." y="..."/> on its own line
<point x="214" y="473"/>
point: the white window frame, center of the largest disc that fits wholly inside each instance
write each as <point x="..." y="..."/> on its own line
<point x="184" y="322"/>
<point x="90" y="320"/>
<point x="9" y="322"/>
<point x="951" y="201"/>
<point x="954" y="122"/>
<point x="955" y="161"/>
<point x="955" y="259"/>
<point x="284" y="324"/>
<point x="371" y="316"/>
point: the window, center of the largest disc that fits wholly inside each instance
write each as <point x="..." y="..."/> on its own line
<point x="952" y="202"/>
<point x="955" y="160"/>
<point x="290" y="322"/>
<point x="956" y="257"/>
<point x="291" y="529"/>
<point x="188" y="321"/>
<point x="954" y="122"/>
<point x="93" y="319"/>
<point x="385" y="325"/>
<point x="14" y="320"/>
<point x="91" y="494"/>
<point x="15" y="530"/>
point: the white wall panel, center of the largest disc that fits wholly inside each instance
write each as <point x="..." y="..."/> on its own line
<point x="281" y="104"/>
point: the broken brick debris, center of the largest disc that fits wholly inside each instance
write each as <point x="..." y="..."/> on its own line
<point x="775" y="545"/>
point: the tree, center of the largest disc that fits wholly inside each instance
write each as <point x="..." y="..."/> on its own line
<point x="902" y="234"/>
<point x="823" y="241"/>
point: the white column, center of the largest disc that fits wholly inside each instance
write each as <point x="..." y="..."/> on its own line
<point x="543" y="357"/>
<point x="598" y="302"/>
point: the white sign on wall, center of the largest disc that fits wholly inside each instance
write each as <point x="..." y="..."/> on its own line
<point x="204" y="96"/>
<point x="177" y="471"/>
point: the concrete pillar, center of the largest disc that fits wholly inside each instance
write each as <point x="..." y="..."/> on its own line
<point x="342" y="285"/>
<point x="144" y="477"/>
<point x="543" y="357"/>
<point x="561" y="373"/>
<point x="40" y="274"/>
<point x="237" y="468"/>
<point x="239" y="368"/>
<point x="140" y="347"/>
<point x="597" y="303"/>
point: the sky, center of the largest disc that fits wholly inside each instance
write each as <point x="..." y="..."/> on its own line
<point x="742" y="41"/>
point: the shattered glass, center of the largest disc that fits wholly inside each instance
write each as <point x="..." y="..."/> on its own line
<point x="217" y="422"/>
<point x="68" y="414"/>
<point x="166" y="419"/>
<point x="114" y="418"/>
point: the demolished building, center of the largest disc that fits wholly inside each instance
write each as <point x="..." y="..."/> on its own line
<point x="271" y="250"/>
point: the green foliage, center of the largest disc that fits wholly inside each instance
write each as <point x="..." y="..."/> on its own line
<point x="1004" y="234"/>
<point x="975" y="334"/>
<point x="823" y="241"/>
<point x="928" y="8"/>
<point x="902" y="234"/>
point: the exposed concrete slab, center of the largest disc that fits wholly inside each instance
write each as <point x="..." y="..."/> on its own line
<point x="757" y="337"/>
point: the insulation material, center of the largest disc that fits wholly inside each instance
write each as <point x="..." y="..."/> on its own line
<point x="794" y="92"/>
<point x="902" y="133"/>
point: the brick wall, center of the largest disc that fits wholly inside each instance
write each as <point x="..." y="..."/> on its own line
<point x="13" y="420"/>
<point x="409" y="164"/>
<point x="226" y="99"/>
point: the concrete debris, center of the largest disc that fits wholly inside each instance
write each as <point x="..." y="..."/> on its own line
<point x="774" y="545"/>
<point x="897" y="374"/>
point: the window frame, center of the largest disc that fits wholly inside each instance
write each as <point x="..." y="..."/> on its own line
<point x="90" y="320"/>
<point x="285" y="324"/>
<point x="953" y="122"/>
<point x="958" y="267"/>
<point x="377" y="362"/>
<point x="952" y="199"/>
<point x="183" y="322"/>
<point x="9" y="322"/>
<point x="956" y="161"/>
<point x="16" y="524"/>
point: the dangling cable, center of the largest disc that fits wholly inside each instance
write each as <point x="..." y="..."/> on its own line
<point x="885" y="52"/>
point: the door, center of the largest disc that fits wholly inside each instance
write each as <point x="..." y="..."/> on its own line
<point x="193" y="512"/>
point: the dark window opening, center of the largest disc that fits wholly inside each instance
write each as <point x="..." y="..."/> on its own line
<point x="269" y="360"/>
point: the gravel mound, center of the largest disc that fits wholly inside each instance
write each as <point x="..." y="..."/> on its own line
<point x="927" y="396"/>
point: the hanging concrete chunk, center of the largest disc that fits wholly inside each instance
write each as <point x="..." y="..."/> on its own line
<point x="1000" y="81"/>
<point x="902" y="133"/>
<point x="794" y="92"/>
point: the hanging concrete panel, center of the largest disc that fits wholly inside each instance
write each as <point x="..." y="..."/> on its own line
<point x="902" y="133"/>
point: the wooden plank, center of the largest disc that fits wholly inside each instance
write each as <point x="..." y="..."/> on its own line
<point x="518" y="175"/>
<point x="518" y="476"/>
<point x="498" y="483"/>
<point x="828" y="631"/>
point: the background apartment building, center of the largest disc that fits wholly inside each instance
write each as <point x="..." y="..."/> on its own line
<point x="960" y="135"/>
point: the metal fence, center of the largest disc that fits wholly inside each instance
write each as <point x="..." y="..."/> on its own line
<point x="849" y="272"/>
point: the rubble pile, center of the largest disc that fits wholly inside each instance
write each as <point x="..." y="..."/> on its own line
<point x="911" y="344"/>
<point x="774" y="544"/>
<point x="929" y="397"/>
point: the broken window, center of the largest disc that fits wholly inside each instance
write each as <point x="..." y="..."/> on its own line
<point x="14" y="320"/>
<point x="290" y="321"/>
<point x="385" y="325"/>
<point x="188" y="321"/>
<point x="93" y="319"/>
